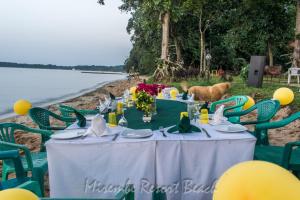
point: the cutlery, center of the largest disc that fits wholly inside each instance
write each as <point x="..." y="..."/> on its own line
<point x="115" y="137"/>
<point x="83" y="136"/>
<point x="205" y="131"/>
<point x="162" y="130"/>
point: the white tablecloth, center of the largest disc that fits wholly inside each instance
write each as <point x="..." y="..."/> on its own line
<point x="187" y="166"/>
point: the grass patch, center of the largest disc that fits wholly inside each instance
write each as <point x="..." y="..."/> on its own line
<point x="239" y="87"/>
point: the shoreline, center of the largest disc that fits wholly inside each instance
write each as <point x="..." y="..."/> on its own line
<point x="52" y="101"/>
<point x="86" y="99"/>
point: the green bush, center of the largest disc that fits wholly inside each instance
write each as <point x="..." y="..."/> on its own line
<point x="244" y="72"/>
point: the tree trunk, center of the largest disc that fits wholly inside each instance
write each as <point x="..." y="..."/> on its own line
<point x="270" y="52"/>
<point x="296" y="53"/>
<point x="178" y="51"/>
<point x="298" y="18"/>
<point x="201" y="52"/>
<point x="202" y="58"/>
<point x="165" y="36"/>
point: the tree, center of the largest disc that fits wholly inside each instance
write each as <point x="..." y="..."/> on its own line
<point x="180" y="31"/>
<point x="296" y="53"/>
<point x="262" y="28"/>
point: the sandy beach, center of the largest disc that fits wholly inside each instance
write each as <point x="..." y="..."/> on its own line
<point x="90" y="100"/>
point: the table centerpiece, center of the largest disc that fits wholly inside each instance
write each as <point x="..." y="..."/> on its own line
<point x="146" y="99"/>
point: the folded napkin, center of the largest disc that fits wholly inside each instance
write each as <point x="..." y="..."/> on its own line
<point x="184" y="126"/>
<point x="113" y="97"/>
<point x="218" y="116"/>
<point x="185" y="96"/>
<point x="98" y="126"/>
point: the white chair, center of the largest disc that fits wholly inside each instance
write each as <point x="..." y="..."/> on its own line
<point x="293" y="71"/>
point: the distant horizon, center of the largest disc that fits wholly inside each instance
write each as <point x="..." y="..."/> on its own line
<point x="64" y="33"/>
<point x="59" y="65"/>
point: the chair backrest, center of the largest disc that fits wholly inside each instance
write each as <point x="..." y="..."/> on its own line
<point x="40" y="116"/>
<point x="20" y="172"/>
<point x="66" y="111"/>
<point x="266" y="109"/>
<point x="7" y="132"/>
<point x="238" y="101"/>
<point x="261" y="130"/>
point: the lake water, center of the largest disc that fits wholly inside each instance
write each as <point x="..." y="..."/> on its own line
<point x="43" y="85"/>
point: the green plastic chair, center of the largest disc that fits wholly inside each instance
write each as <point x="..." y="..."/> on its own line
<point x="266" y="110"/>
<point x="21" y="181"/>
<point x="287" y="156"/>
<point x="37" y="160"/>
<point x="238" y="101"/>
<point x="68" y="111"/>
<point x="42" y="117"/>
<point x="126" y="194"/>
<point x="36" y="163"/>
<point x="159" y="194"/>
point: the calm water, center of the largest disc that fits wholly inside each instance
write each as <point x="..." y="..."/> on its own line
<point x="42" y="85"/>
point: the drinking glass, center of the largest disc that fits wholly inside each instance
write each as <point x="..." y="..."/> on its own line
<point x="123" y="121"/>
<point x="119" y="108"/>
<point x="160" y="96"/>
<point x="204" y="118"/>
<point x="112" y="119"/>
<point x="173" y="94"/>
<point x="197" y="113"/>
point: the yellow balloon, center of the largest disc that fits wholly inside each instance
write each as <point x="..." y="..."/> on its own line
<point x="17" y="194"/>
<point x="249" y="103"/>
<point x="284" y="95"/>
<point x="257" y="180"/>
<point x="21" y="107"/>
<point x="132" y="90"/>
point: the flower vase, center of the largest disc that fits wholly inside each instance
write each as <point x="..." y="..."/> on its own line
<point x="147" y="118"/>
<point x="153" y="106"/>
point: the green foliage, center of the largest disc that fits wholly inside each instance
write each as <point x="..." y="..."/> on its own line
<point x="144" y="102"/>
<point x="244" y="73"/>
<point x="236" y="30"/>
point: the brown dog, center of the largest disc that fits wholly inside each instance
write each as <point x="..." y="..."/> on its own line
<point x="207" y="93"/>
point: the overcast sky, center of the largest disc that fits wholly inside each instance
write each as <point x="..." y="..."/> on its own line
<point x="63" y="32"/>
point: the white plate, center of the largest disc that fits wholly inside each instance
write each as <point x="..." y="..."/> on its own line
<point x="68" y="134"/>
<point x="233" y="128"/>
<point x="141" y="133"/>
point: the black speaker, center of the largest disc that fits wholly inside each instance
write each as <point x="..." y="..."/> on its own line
<point x="256" y="71"/>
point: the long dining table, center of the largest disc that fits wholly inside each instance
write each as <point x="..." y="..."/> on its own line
<point x="186" y="166"/>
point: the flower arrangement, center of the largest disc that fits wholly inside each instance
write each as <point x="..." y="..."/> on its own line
<point x="151" y="89"/>
<point x="145" y="97"/>
<point x="144" y="102"/>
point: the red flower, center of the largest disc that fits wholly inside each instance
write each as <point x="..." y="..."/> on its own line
<point x="152" y="89"/>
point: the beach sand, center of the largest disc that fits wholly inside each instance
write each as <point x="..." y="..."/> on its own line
<point x="90" y="100"/>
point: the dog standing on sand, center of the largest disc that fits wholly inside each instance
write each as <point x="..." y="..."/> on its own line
<point x="207" y="93"/>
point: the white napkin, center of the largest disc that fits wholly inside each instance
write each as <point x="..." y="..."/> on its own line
<point x="218" y="116"/>
<point x="102" y="107"/>
<point x="107" y="101"/>
<point x="192" y="98"/>
<point x="98" y="126"/>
